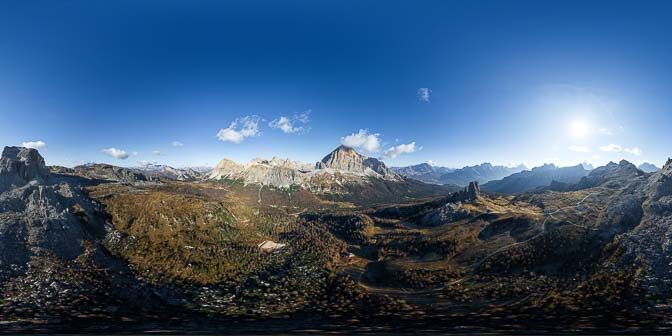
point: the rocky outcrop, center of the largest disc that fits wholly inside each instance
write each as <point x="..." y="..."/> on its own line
<point x="51" y="258"/>
<point x="343" y="158"/>
<point x="612" y="172"/>
<point x="19" y="166"/>
<point x="470" y="193"/>
<point x="448" y="213"/>
<point x="110" y="173"/>
<point x="347" y="159"/>
<point x="43" y="212"/>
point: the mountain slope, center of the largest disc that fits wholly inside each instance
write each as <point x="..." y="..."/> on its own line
<point x="648" y="167"/>
<point x="481" y="173"/>
<point x="423" y="172"/>
<point x="52" y="264"/>
<point x="530" y="180"/>
<point x="342" y="175"/>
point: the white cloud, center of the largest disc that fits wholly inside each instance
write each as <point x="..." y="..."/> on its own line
<point x="240" y="129"/>
<point x="157" y="153"/>
<point x="116" y="153"/>
<point x="370" y="142"/>
<point x="431" y="162"/>
<point x="395" y="151"/>
<point x="34" y="144"/>
<point x="295" y="124"/>
<point x="580" y="149"/>
<point x="135" y="153"/>
<point x="145" y="163"/>
<point x="611" y="148"/>
<point x="424" y="95"/>
<point x="634" y="151"/>
<point x="177" y="144"/>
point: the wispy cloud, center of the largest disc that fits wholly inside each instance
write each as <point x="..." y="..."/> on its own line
<point x="611" y="148"/>
<point x="370" y="142"/>
<point x="424" y="95"/>
<point x="634" y="151"/>
<point x="580" y="149"/>
<point x="157" y="153"/>
<point x="294" y="124"/>
<point x="177" y="144"/>
<point x="145" y="163"/>
<point x="116" y="153"/>
<point x="39" y="144"/>
<point x="395" y="151"/>
<point x="240" y="129"/>
<point x="616" y="148"/>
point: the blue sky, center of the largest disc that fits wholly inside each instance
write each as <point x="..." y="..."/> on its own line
<point x="451" y="82"/>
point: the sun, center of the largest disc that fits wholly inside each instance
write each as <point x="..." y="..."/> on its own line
<point x="579" y="128"/>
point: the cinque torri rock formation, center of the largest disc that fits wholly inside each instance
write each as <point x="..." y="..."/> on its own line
<point x="343" y="165"/>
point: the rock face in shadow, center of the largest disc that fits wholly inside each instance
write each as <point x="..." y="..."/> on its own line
<point x="19" y="166"/>
<point x="43" y="212"/>
<point x="469" y="193"/>
<point x="50" y="232"/>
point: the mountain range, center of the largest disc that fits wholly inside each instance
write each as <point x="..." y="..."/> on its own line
<point x="529" y="180"/>
<point x="482" y="173"/>
<point x="263" y="246"/>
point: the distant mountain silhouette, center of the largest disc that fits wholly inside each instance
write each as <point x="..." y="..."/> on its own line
<point x="423" y="172"/>
<point x="648" y="167"/>
<point x="529" y="180"/>
<point x="482" y="173"/>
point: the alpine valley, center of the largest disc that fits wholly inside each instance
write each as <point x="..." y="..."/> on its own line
<point x="343" y="245"/>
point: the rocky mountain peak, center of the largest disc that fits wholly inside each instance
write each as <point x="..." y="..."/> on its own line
<point x="19" y="165"/>
<point x="648" y="167"/>
<point x="344" y="158"/>
<point x="347" y="159"/>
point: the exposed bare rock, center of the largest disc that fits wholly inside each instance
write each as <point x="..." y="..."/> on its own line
<point x="347" y="159"/>
<point x="106" y="172"/>
<point x="448" y="213"/>
<point x="344" y="158"/>
<point x="469" y="193"/>
<point x="170" y="173"/>
<point x="342" y="166"/>
<point x="622" y="170"/>
<point x="20" y="165"/>
<point x="225" y="169"/>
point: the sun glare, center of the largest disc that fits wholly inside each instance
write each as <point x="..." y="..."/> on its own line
<point x="579" y="128"/>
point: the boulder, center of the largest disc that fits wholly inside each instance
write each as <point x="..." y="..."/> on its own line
<point x="19" y="165"/>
